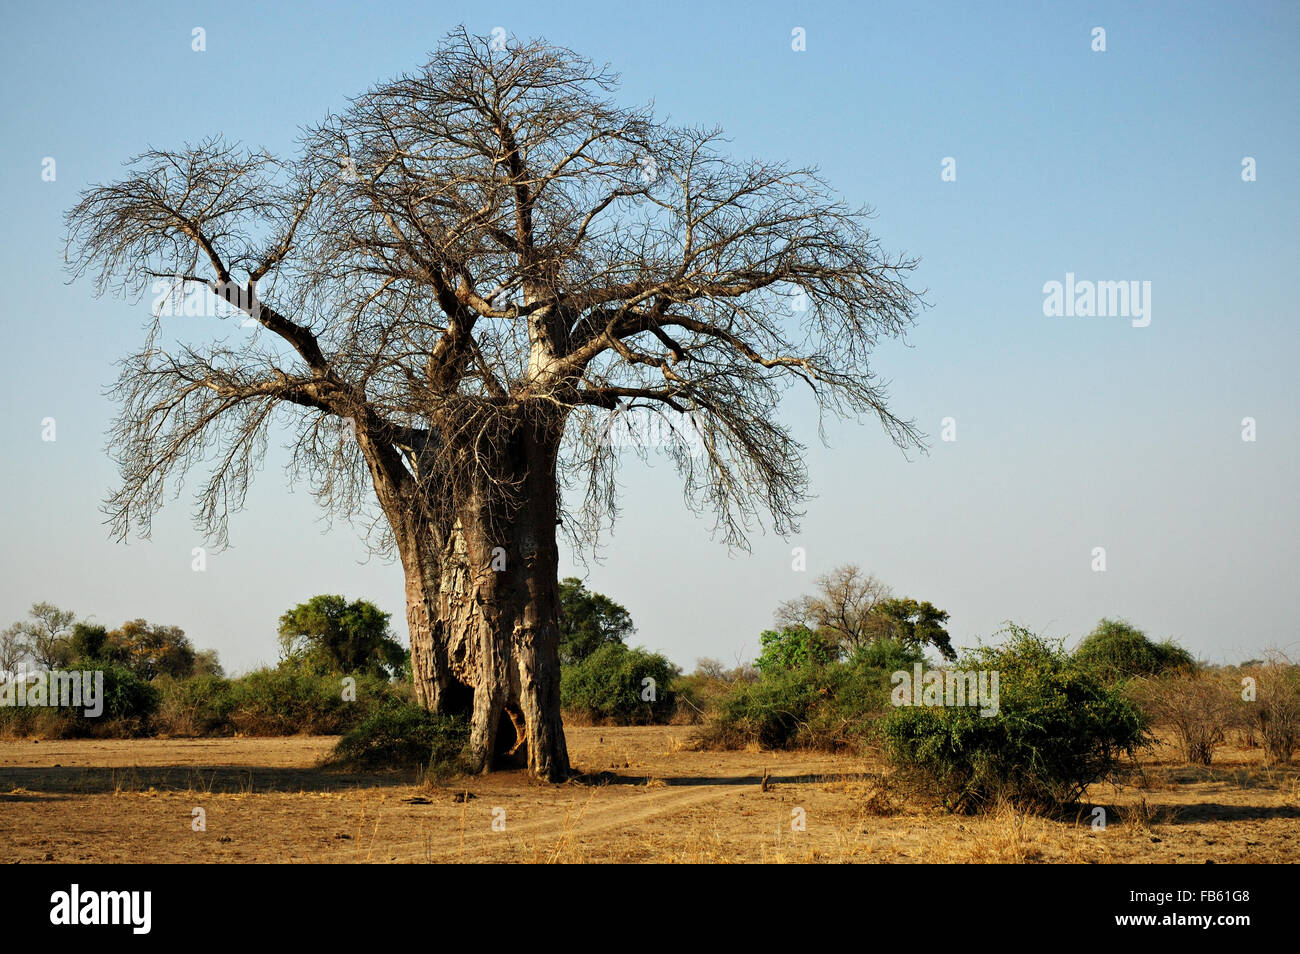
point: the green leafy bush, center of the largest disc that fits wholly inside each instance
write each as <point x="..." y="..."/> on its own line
<point x="889" y="655"/>
<point x="1059" y="728"/>
<point x="1117" y="650"/>
<point x="793" y="647"/>
<point x="126" y="708"/>
<point x="404" y="735"/>
<point x="289" y="701"/>
<point x="833" y="706"/>
<point x="200" y="706"/>
<point x="127" y="697"/>
<point x="610" y="686"/>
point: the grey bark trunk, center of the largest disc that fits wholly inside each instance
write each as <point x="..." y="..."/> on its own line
<point x="482" y="605"/>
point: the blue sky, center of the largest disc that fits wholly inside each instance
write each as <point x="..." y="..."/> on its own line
<point x="1072" y="433"/>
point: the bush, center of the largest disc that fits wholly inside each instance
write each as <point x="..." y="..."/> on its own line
<point x="889" y="655"/>
<point x="200" y="706"/>
<point x="830" y="707"/>
<point x="768" y="713"/>
<point x="128" y="699"/>
<point x="289" y="701"/>
<point x="700" y="693"/>
<point x="610" y="686"/>
<point x="793" y="648"/>
<point x="1059" y="728"/>
<point x="1117" y="650"/>
<point x="404" y="735"/>
<point x="280" y="701"/>
<point x="1277" y="716"/>
<point x="1198" y="706"/>
<point x="128" y="703"/>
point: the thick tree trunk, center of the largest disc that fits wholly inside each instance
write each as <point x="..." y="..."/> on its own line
<point x="498" y="606"/>
<point x="482" y="594"/>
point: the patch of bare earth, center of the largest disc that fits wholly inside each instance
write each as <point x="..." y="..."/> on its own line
<point x="647" y="796"/>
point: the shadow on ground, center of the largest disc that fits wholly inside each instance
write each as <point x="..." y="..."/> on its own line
<point x="212" y="779"/>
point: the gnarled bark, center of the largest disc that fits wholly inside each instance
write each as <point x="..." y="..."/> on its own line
<point x="482" y="597"/>
<point x="498" y="601"/>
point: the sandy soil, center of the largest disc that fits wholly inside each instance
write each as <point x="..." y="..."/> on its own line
<point x="648" y="797"/>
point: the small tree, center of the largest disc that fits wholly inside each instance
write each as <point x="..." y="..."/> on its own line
<point x="853" y="609"/>
<point x="588" y="621"/>
<point x="841" y="608"/>
<point x="912" y="624"/>
<point x="207" y="663"/>
<point x="328" y="634"/>
<point x="706" y="667"/>
<point x="88" y="642"/>
<point x="13" y="648"/>
<point x="44" y="637"/>
<point x="151" y="649"/>
<point x="793" y="648"/>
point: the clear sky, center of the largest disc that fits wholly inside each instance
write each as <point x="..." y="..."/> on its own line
<point x="1071" y="432"/>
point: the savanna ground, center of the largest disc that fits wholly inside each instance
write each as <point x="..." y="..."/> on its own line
<point x="648" y="796"/>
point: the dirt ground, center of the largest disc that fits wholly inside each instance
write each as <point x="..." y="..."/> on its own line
<point x="648" y="797"/>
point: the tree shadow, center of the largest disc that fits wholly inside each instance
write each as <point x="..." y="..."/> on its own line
<point x="35" y="782"/>
<point x="597" y="779"/>
<point x="1215" y="811"/>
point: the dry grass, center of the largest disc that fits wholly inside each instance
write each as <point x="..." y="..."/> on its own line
<point x="662" y="801"/>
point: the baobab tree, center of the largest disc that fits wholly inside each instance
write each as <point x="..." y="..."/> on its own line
<point x="453" y="284"/>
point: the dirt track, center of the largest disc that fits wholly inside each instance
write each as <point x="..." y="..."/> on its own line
<point x="647" y="798"/>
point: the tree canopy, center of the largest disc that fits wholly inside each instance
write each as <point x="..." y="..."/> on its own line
<point x="852" y="610"/>
<point x="328" y="634"/>
<point x="588" y="621"/>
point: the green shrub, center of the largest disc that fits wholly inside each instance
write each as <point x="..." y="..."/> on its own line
<point x="200" y="706"/>
<point x="289" y="701"/>
<point x="1059" y="728"/>
<point x="794" y="647"/>
<point x="769" y="713"/>
<point x="126" y="708"/>
<point x="832" y="707"/>
<point x="889" y="655"/>
<point x="1117" y="650"/>
<point x="127" y="698"/>
<point x="404" y="735"/>
<point x="282" y="701"/>
<point x="610" y="686"/>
